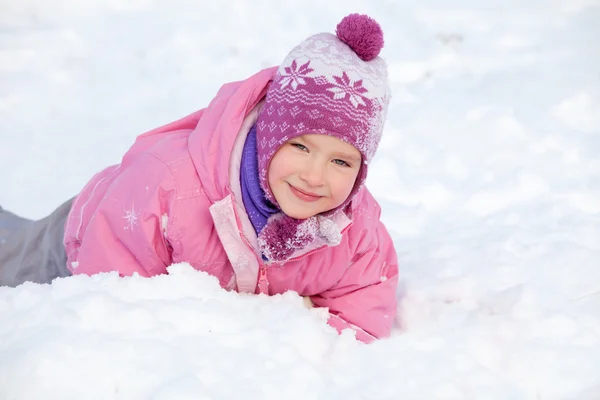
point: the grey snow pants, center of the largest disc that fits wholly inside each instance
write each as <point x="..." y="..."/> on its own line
<point x="33" y="250"/>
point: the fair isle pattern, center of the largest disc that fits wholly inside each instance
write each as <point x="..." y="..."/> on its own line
<point x="324" y="87"/>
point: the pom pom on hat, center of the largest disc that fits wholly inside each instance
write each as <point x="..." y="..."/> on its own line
<point x="363" y="34"/>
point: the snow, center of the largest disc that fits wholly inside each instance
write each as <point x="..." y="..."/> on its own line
<point x="488" y="176"/>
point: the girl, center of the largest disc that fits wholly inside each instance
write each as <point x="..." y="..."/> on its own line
<point x="264" y="189"/>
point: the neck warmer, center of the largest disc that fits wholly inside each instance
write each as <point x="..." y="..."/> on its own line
<point x="258" y="208"/>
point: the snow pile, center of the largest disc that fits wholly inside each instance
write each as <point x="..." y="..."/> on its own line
<point x="181" y="336"/>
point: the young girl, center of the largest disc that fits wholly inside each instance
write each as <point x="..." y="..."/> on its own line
<point x="264" y="189"/>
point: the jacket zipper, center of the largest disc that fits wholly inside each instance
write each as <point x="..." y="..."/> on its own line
<point x="263" y="281"/>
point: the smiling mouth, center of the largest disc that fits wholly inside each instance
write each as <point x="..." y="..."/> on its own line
<point x="304" y="196"/>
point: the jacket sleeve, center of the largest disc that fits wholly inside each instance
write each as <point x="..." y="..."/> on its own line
<point x="365" y="297"/>
<point x="127" y="230"/>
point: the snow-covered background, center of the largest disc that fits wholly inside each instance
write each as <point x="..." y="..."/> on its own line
<point x="488" y="175"/>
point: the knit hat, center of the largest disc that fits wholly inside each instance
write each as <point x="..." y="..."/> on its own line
<point x="329" y="84"/>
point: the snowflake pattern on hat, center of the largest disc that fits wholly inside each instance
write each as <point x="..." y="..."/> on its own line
<point x="294" y="76"/>
<point x="347" y="89"/>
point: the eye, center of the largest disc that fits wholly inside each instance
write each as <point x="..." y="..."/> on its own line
<point x="300" y="146"/>
<point x="341" y="163"/>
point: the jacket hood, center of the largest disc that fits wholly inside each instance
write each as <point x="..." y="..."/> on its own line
<point x="211" y="142"/>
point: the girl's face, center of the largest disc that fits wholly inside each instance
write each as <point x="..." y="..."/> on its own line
<point x="312" y="174"/>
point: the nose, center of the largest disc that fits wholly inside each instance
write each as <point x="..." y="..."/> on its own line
<point x="313" y="173"/>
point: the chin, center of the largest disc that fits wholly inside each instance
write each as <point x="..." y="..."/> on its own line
<point x="297" y="214"/>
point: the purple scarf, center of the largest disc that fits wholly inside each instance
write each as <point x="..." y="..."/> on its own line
<point x="257" y="206"/>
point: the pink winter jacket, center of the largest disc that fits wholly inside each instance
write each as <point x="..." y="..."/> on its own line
<point x="175" y="197"/>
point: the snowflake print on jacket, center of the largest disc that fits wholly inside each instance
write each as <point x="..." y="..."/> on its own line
<point x="131" y="216"/>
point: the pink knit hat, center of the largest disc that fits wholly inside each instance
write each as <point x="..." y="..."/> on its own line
<point x="333" y="85"/>
<point x="329" y="84"/>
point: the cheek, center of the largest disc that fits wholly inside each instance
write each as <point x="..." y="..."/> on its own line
<point x="276" y="168"/>
<point x="343" y="187"/>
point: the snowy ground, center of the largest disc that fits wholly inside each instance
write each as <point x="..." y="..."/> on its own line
<point x="489" y="178"/>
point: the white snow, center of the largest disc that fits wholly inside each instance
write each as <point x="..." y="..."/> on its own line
<point x="488" y="176"/>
